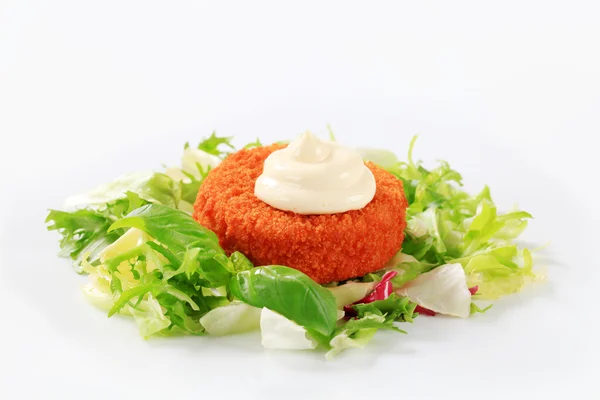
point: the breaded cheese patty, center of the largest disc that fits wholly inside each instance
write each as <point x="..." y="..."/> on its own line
<point x="331" y="247"/>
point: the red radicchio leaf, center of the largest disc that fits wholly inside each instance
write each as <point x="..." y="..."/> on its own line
<point x="381" y="291"/>
<point x="424" y="311"/>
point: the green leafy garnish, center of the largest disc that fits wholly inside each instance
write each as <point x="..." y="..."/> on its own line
<point x="370" y="318"/>
<point x="447" y="225"/>
<point x="212" y="145"/>
<point x="152" y="187"/>
<point x="331" y="134"/>
<point x="173" y="228"/>
<point x="191" y="185"/>
<point x="146" y="257"/>
<point x="357" y="333"/>
<point x="240" y="262"/>
<point x="83" y="232"/>
<point x="290" y="293"/>
<point x="475" y="309"/>
<point x="181" y="273"/>
<point x="256" y="143"/>
<point x="394" y="308"/>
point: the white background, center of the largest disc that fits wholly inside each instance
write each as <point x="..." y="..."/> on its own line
<point x="508" y="92"/>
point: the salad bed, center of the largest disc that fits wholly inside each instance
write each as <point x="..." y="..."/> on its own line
<point x="146" y="257"/>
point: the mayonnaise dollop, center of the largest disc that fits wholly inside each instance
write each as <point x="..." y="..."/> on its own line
<point x="313" y="176"/>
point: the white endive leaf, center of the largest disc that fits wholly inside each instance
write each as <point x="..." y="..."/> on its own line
<point x="443" y="290"/>
<point x="230" y="319"/>
<point x="279" y="332"/>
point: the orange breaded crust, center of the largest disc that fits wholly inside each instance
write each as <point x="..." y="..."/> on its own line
<point x="327" y="248"/>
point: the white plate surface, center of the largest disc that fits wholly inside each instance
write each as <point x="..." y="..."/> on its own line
<point x="508" y="94"/>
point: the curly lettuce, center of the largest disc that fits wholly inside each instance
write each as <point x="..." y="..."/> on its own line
<point x="83" y="224"/>
<point x="447" y="225"/>
<point x="147" y="258"/>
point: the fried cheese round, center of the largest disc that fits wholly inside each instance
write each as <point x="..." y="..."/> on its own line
<point x="328" y="247"/>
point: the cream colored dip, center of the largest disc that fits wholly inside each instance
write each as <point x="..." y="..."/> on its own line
<point x="313" y="176"/>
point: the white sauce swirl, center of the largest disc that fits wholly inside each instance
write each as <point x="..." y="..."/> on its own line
<point x="312" y="176"/>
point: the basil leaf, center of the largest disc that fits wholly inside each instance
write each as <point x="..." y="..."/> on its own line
<point x="173" y="228"/>
<point x="290" y="293"/>
<point x="212" y="271"/>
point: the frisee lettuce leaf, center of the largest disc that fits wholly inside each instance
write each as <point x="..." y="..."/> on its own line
<point x="256" y="143"/>
<point x="84" y="233"/>
<point x="153" y="187"/>
<point x="393" y="308"/>
<point x="213" y="145"/>
<point x="196" y="163"/>
<point x="83" y="225"/>
<point x="195" y="166"/>
<point x="159" y="284"/>
<point x="84" y="229"/>
<point x="357" y="333"/>
<point x="447" y="225"/>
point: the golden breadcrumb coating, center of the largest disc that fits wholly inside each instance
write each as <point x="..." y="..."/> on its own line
<point x="332" y="247"/>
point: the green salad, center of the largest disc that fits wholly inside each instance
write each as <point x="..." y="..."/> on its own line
<point x="147" y="258"/>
